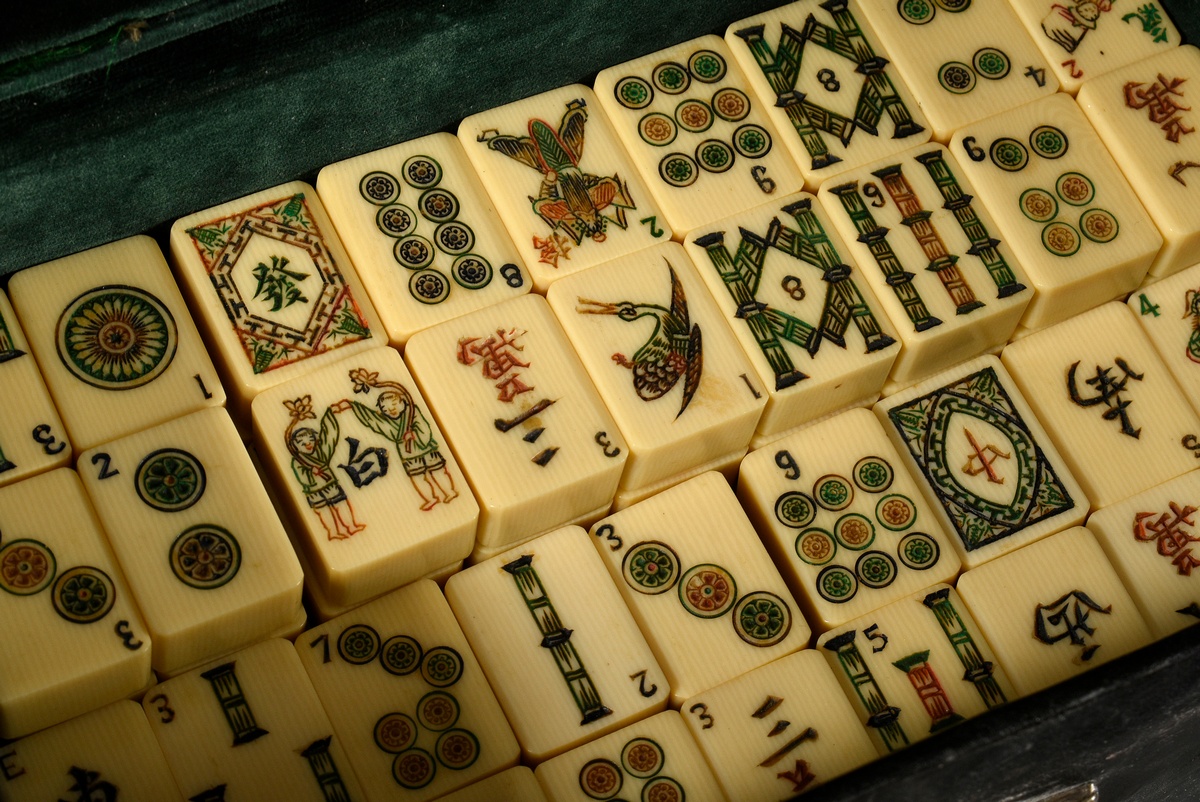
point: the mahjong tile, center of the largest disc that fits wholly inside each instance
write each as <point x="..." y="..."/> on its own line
<point x="814" y="331"/>
<point x="1061" y="204"/>
<point x="406" y="696"/>
<point x="1148" y="538"/>
<point x="566" y="207"/>
<point x="654" y="759"/>
<point x="916" y="668"/>
<point x="1169" y="311"/>
<point x="74" y="638"/>
<point x="931" y="253"/>
<point x="114" y="340"/>
<point x="700" y="584"/>
<point x="703" y="145"/>
<point x="843" y="519"/>
<point x="826" y="81"/>
<point x="203" y="549"/>
<point x="779" y="730"/>
<point x="992" y="476"/>
<point x="250" y="727"/>
<point x="1085" y="38"/>
<point x="1108" y="402"/>
<point x="1053" y="610"/>
<point x="32" y="437"/>
<point x="104" y="755"/>
<point x="272" y="289"/>
<point x="668" y="368"/>
<point x="1143" y="112"/>
<point x="422" y="232"/>
<point x="557" y="643"/>
<point x="962" y="61"/>
<point x="528" y="428"/>
<point x="374" y="496"/>
<point x="516" y="783"/>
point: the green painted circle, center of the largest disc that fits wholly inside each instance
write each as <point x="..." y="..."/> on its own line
<point x="678" y="169"/>
<point x="918" y="551"/>
<point x="714" y="156"/>
<point x="915" y="12"/>
<point x="956" y="77"/>
<point x="953" y="6"/>
<point x="833" y="492"/>
<point x="442" y="667"/>
<point x="83" y="594"/>
<point x="836" y="584"/>
<point x="991" y="63"/>
<point x="651" y="567"/>
<point x="815" y="546"/>
<point x="657" y="129"/>
<point x="671" y="78"/>
<point x="707" y="66"/>
<point x="762" y="619"/>
<point x="379" y="188"/>
<point x="875" y="569"/>
<point x="400" y="655"/>
<point x="1038" y="205"/>
<point x="795" y="509"/>
<point x="429" y="286"/>
<point x="1099" y="225"/>
<point x="707" y="591"/>
<point x="170" y="480"/>
<point x="358" y="644"/>
<point x="116" y="337"/>
<point x="873" y="474"/>
<point x="1009" y="155"/>
<point x="1048" y="142"/>
<point x="633" y="92"/>
<point x="471" y="271"/>
<point x="752" y="141"/>
<point x="421" y="172"/>
<point x="205" y="556"/>
<point x="26" y="567"/>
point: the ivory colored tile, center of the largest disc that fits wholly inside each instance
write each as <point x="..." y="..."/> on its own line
<point x="962" y="61"/>
<point x="530" y="432"/>
<point x="1061" y="204"/>
<point x="699" y="584"/>
<point x="575" y="209"/>
<point x="250" y="727"/>
<point x="916" y="668"/>
<point x="115" y="342"/>
<point x="705" y="147"/>
<point x="814" y="331"/>
<point x="422" y="232"/>
<point x="1148" y="538"/>
<point x="109" y="754"/>
<point x="676" y="381"/>
<point x="64" y="599"/>
<point x="650" y="760"/>
<point x="203" y="549"/>
<point x="557" y="642"/>
<point x="406" y="696"/>
<point x="1085" y="38"/>
<point x="1053" y="610"/>
<point x="930" y="252"/>
<point x="779" y="730"/>
<point x="985" y="464"/>
<point x="373" y="493"/>
<point x="32" y="437"/>
<point x="1169" y="313"/>
<point x="843" y="519"/>
<point x="516" y="783"/>
<point x="827" y="83"/>
<point x="1108" y="401"/>
<point x="272" y="288"/>
<point x="1143" y="113"/>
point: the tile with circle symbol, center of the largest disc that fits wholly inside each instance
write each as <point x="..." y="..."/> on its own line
<point x="963" y="61"/>
<point x="250" y="726"/>
<point x="779" y="730"/>
<point x="672" y="374"/>
<point x="1082" y="39"/>
<point x="407" y="697"/>
<point x="825" y="79"/>
<point x="1143" y="113"/>
<point x="843" y="519"/>
<point x="916" y="668"/>
<point x="1107" y="400"/>
<point x="528" y="428"/>
<point x="562" y="182"/>
<point x="816" y="335"/>
<point x="108" y="754"/>
<point x="515" y="783"/>
<point x="932" y="254"/>
<point x="1150" y="540"/>
<point x="373" y="495"/>
<point x="32" y="437"/>
<point x="199" y="541"/>
<point x="557" y="642"/>
<point x="63" y="597"/>
<point x="1061" y="204"/>
<point x="272" y="288"/>
<point x="700" y="583"/>
<point x="115" y="342"/>
<point x="687" y="117"/>
<point x="1053" y="610"/>
<point x="992" y="477"/>
<point x="653" y="759"/>
<point x="1169" y="314"/>
<point x="422" y="233"/>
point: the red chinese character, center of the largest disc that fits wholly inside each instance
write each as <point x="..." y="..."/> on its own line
<point x="1160" y="98"/>
<point x="1167" y="530"/>
<point x="500" y="361"/>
